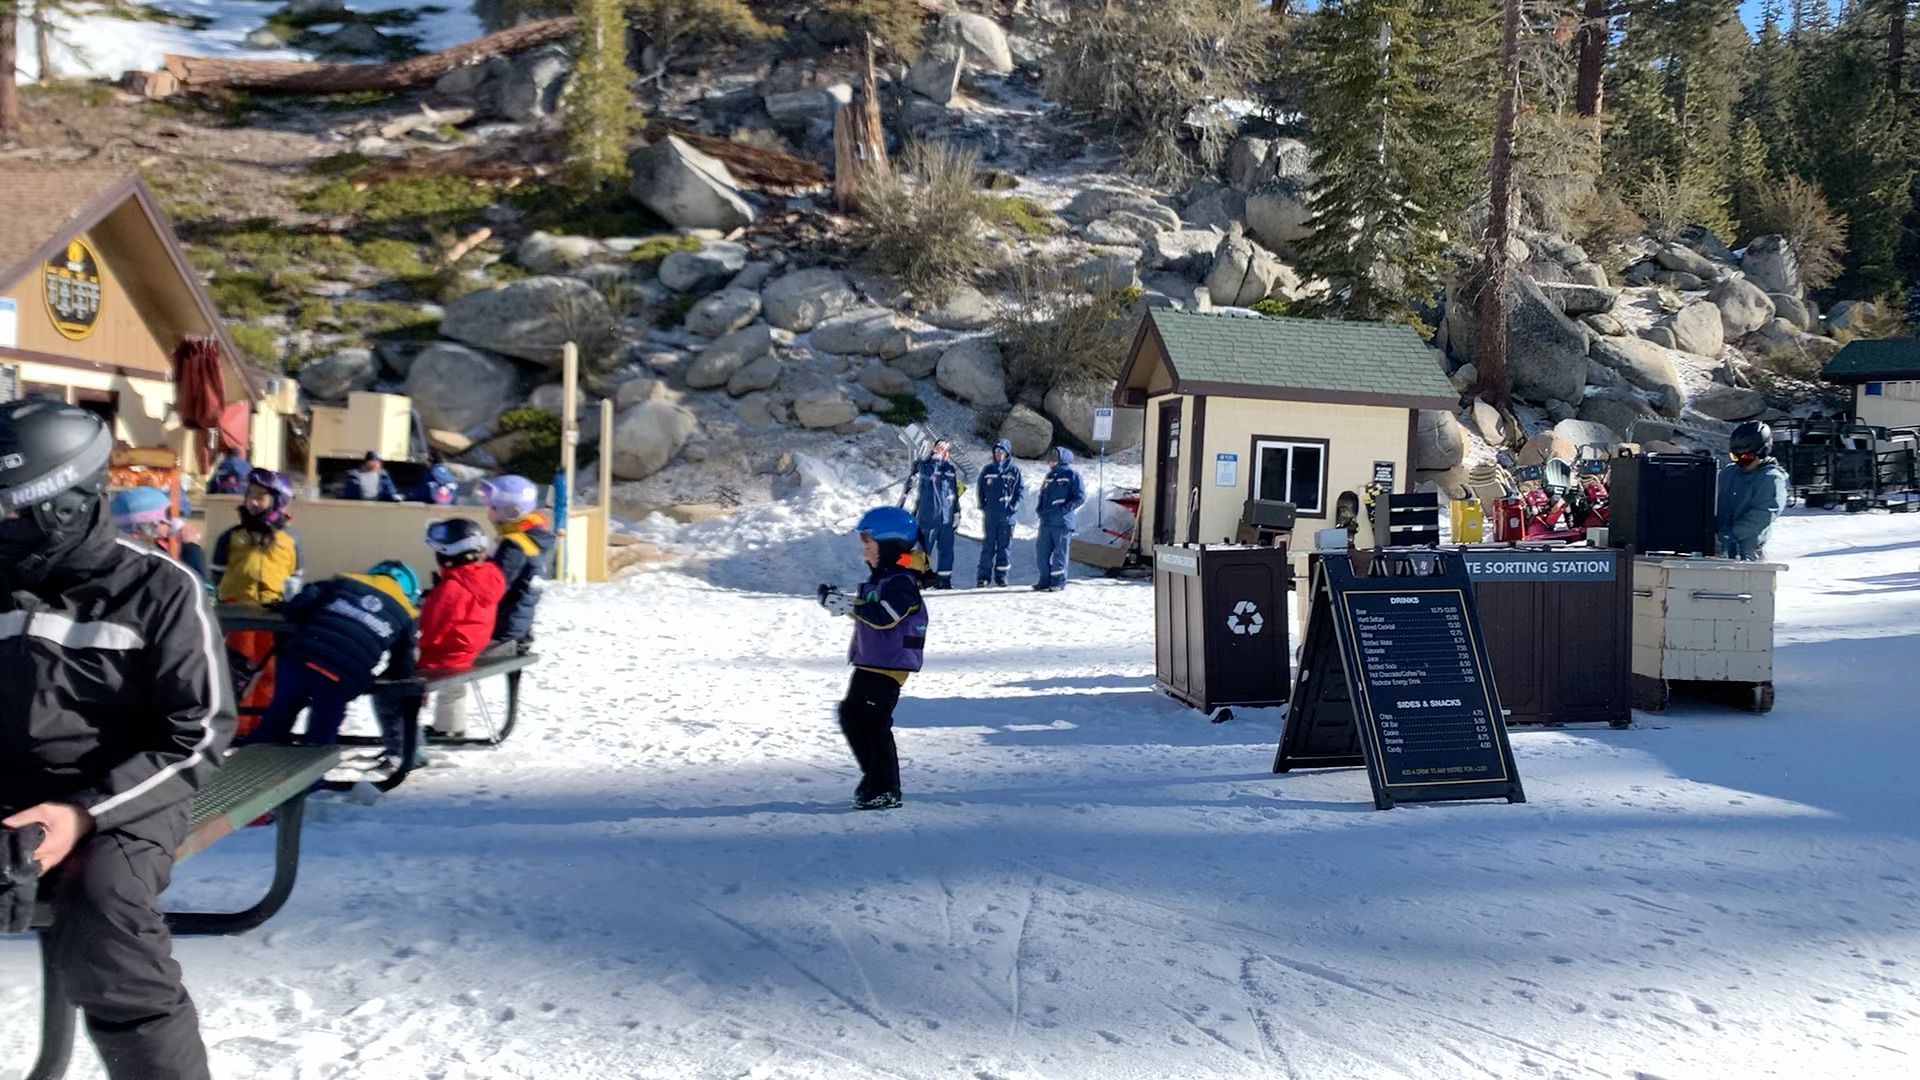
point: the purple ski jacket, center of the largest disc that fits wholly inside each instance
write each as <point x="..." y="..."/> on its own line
<point x="889" y="624"/>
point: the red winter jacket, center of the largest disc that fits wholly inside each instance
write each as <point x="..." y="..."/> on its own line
<point x="456" y="620"/>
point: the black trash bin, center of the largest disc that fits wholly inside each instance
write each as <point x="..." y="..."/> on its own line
<point x="1220" y="622"/>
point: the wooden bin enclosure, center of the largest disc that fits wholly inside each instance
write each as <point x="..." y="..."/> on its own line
<point x="1220" y="625"/>
<point x="1558" y="625"/>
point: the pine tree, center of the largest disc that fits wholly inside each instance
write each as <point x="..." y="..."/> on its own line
<point x="1677" y="79"/>
<point x="1856" y="145"/>
<point x="600" y="116"/>
<point x="1400" y="130"/>
<point x="9" y="60"/>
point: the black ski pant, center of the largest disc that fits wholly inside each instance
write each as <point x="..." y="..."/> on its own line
<point x="110" y="946"/>
<point x="866" y="719"/>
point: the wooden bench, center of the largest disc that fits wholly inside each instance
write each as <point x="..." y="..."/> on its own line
<point x="411" y="693"/>
<point x="254" y="780"/>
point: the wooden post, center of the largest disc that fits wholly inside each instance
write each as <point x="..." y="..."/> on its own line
<point x="859" y="142"/>
<point x="606" y="460"/>
<point x="569" y="444"/>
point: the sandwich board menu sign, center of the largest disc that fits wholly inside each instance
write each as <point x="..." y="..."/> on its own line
<point x="1394" y="676"/>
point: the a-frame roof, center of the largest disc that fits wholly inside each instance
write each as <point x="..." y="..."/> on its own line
<point x="46" y="206"/>
<point x="1289" y="359"/>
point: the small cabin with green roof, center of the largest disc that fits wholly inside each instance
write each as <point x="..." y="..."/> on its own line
<point x="1245" y="407"/>
<point x="1885" y="377"/>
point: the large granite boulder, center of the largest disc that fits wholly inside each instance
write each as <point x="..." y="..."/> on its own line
<point x="531" y="318"/>
<point x="862" y="332"/>
<point x="648" y="435"/>
<point x="704" y="270"/>
<point x="1030" y="433"/>
<point x="686" y="188"/>
<point x="1071" y="406"/>
<point x="331" y="378"/>
<point x="455" y="388"/>
<point x="717" y="362"/>
<point x="1744" y="306"/>
<point x="974" y="372"/>
<point x="1769" y="262"/>
<point x="1439" y="442"/>
<point x="803" y="299"/>
<point x="1697" y="329"/>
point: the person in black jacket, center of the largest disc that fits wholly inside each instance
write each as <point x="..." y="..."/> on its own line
<point x="115" y="706"/>
<point x="342" y="627"/>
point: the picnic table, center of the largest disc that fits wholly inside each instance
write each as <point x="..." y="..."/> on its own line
<point x="251" y="782"/>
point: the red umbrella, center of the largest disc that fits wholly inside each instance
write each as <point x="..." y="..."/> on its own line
<point x="200" y="392"/>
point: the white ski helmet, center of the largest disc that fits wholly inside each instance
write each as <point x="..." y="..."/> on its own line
<point x="514" y="495"/>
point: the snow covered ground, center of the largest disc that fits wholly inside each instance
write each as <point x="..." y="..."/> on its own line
<point x="658" y="877"/>
<point x="106" y="47"/>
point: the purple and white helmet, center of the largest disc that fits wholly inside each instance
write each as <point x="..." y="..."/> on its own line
<point x="514" y="495"/>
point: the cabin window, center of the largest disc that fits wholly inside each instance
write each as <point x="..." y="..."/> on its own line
<point x="1294" y="471"/>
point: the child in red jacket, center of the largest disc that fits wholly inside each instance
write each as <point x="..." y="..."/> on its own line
<point x="456" y="623"/>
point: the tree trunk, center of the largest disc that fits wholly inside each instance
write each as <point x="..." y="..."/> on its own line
<point x="1595" y="22"/>
<point x="859" y="142"/>
<point x="1490" y="306"/>
<point x="42" y="43"/>
<point x="9" y="54"/>
<point x="298" y="77"/>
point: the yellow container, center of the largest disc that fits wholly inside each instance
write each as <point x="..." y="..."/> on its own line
<point x="1469" y="521"/>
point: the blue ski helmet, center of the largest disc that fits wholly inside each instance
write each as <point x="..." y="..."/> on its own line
<point x="140" y="507"/>
<point x="402" y="575"/>
<point x="889" y="523"/>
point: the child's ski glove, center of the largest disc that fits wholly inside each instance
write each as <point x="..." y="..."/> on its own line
<point x="835" y="601"/>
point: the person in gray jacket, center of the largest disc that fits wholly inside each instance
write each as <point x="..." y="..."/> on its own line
<point x="1753" y="491"/>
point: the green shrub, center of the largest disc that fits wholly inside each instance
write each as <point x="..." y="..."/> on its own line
<point x="655" y="248"/>
<point x="423" y="201"/>
<point x="1138" y="69"/>
<point x="1055" y="334"/>
<point x="258" y="343"/>
<point x="1798" y="211"/>
<point x="243" y="294"/>
<point x="1272" y="306"/>
<point x="903" y="409"/>
<point x="924" y="227"/>
<point x="536" y="454"/>
<point x="1023" y="215"/>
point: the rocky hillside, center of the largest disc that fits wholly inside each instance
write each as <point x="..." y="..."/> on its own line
<point x="420" y="242"/>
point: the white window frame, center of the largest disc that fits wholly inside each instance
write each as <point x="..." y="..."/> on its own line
<point x="1261" y="444"/>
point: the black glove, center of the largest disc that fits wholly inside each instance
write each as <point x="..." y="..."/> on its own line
<point x="19" y="877"/>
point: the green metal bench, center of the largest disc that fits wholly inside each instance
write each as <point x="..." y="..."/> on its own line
<point x="254" y="780"/>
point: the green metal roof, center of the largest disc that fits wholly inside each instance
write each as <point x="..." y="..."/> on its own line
<point x="1325" y="359"/>
<point x="1872" y="361"/>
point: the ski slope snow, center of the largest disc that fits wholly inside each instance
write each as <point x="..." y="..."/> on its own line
<point x="659" y="876"/>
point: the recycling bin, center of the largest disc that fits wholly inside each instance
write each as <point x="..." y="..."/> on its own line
<point x="1220" y="626"/>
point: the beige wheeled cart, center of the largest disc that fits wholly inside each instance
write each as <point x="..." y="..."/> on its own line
<point x="1706" y="626"/>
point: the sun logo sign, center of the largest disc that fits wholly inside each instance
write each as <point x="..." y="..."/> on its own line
<point x="1245" y="618"/>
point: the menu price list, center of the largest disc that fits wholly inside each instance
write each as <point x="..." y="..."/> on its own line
<point x="1427" y="692"/>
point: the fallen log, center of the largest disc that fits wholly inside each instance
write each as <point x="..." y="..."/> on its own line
<point x="767" y="170"/>
<point x="309" y="77"/>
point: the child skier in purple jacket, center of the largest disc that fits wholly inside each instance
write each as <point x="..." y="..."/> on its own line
<point x="889" y="639"/>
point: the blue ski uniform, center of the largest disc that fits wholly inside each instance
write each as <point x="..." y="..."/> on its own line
<point x="936" y="512"/>
<point x="1061" y="493"/>
<point x="1001" y="489"/>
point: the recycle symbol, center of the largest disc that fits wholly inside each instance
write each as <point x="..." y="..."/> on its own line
<point x="1246" y="618"/>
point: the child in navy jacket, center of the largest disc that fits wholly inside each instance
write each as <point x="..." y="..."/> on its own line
<point x="889" y="641"/>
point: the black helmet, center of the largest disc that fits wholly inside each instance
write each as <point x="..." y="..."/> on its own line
<point x="53" y="464"/>
<point x="456" y="536"/>
<point x="1752" y="437"/>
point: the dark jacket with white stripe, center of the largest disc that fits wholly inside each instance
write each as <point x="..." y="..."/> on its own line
<point x="114" y="692"/>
